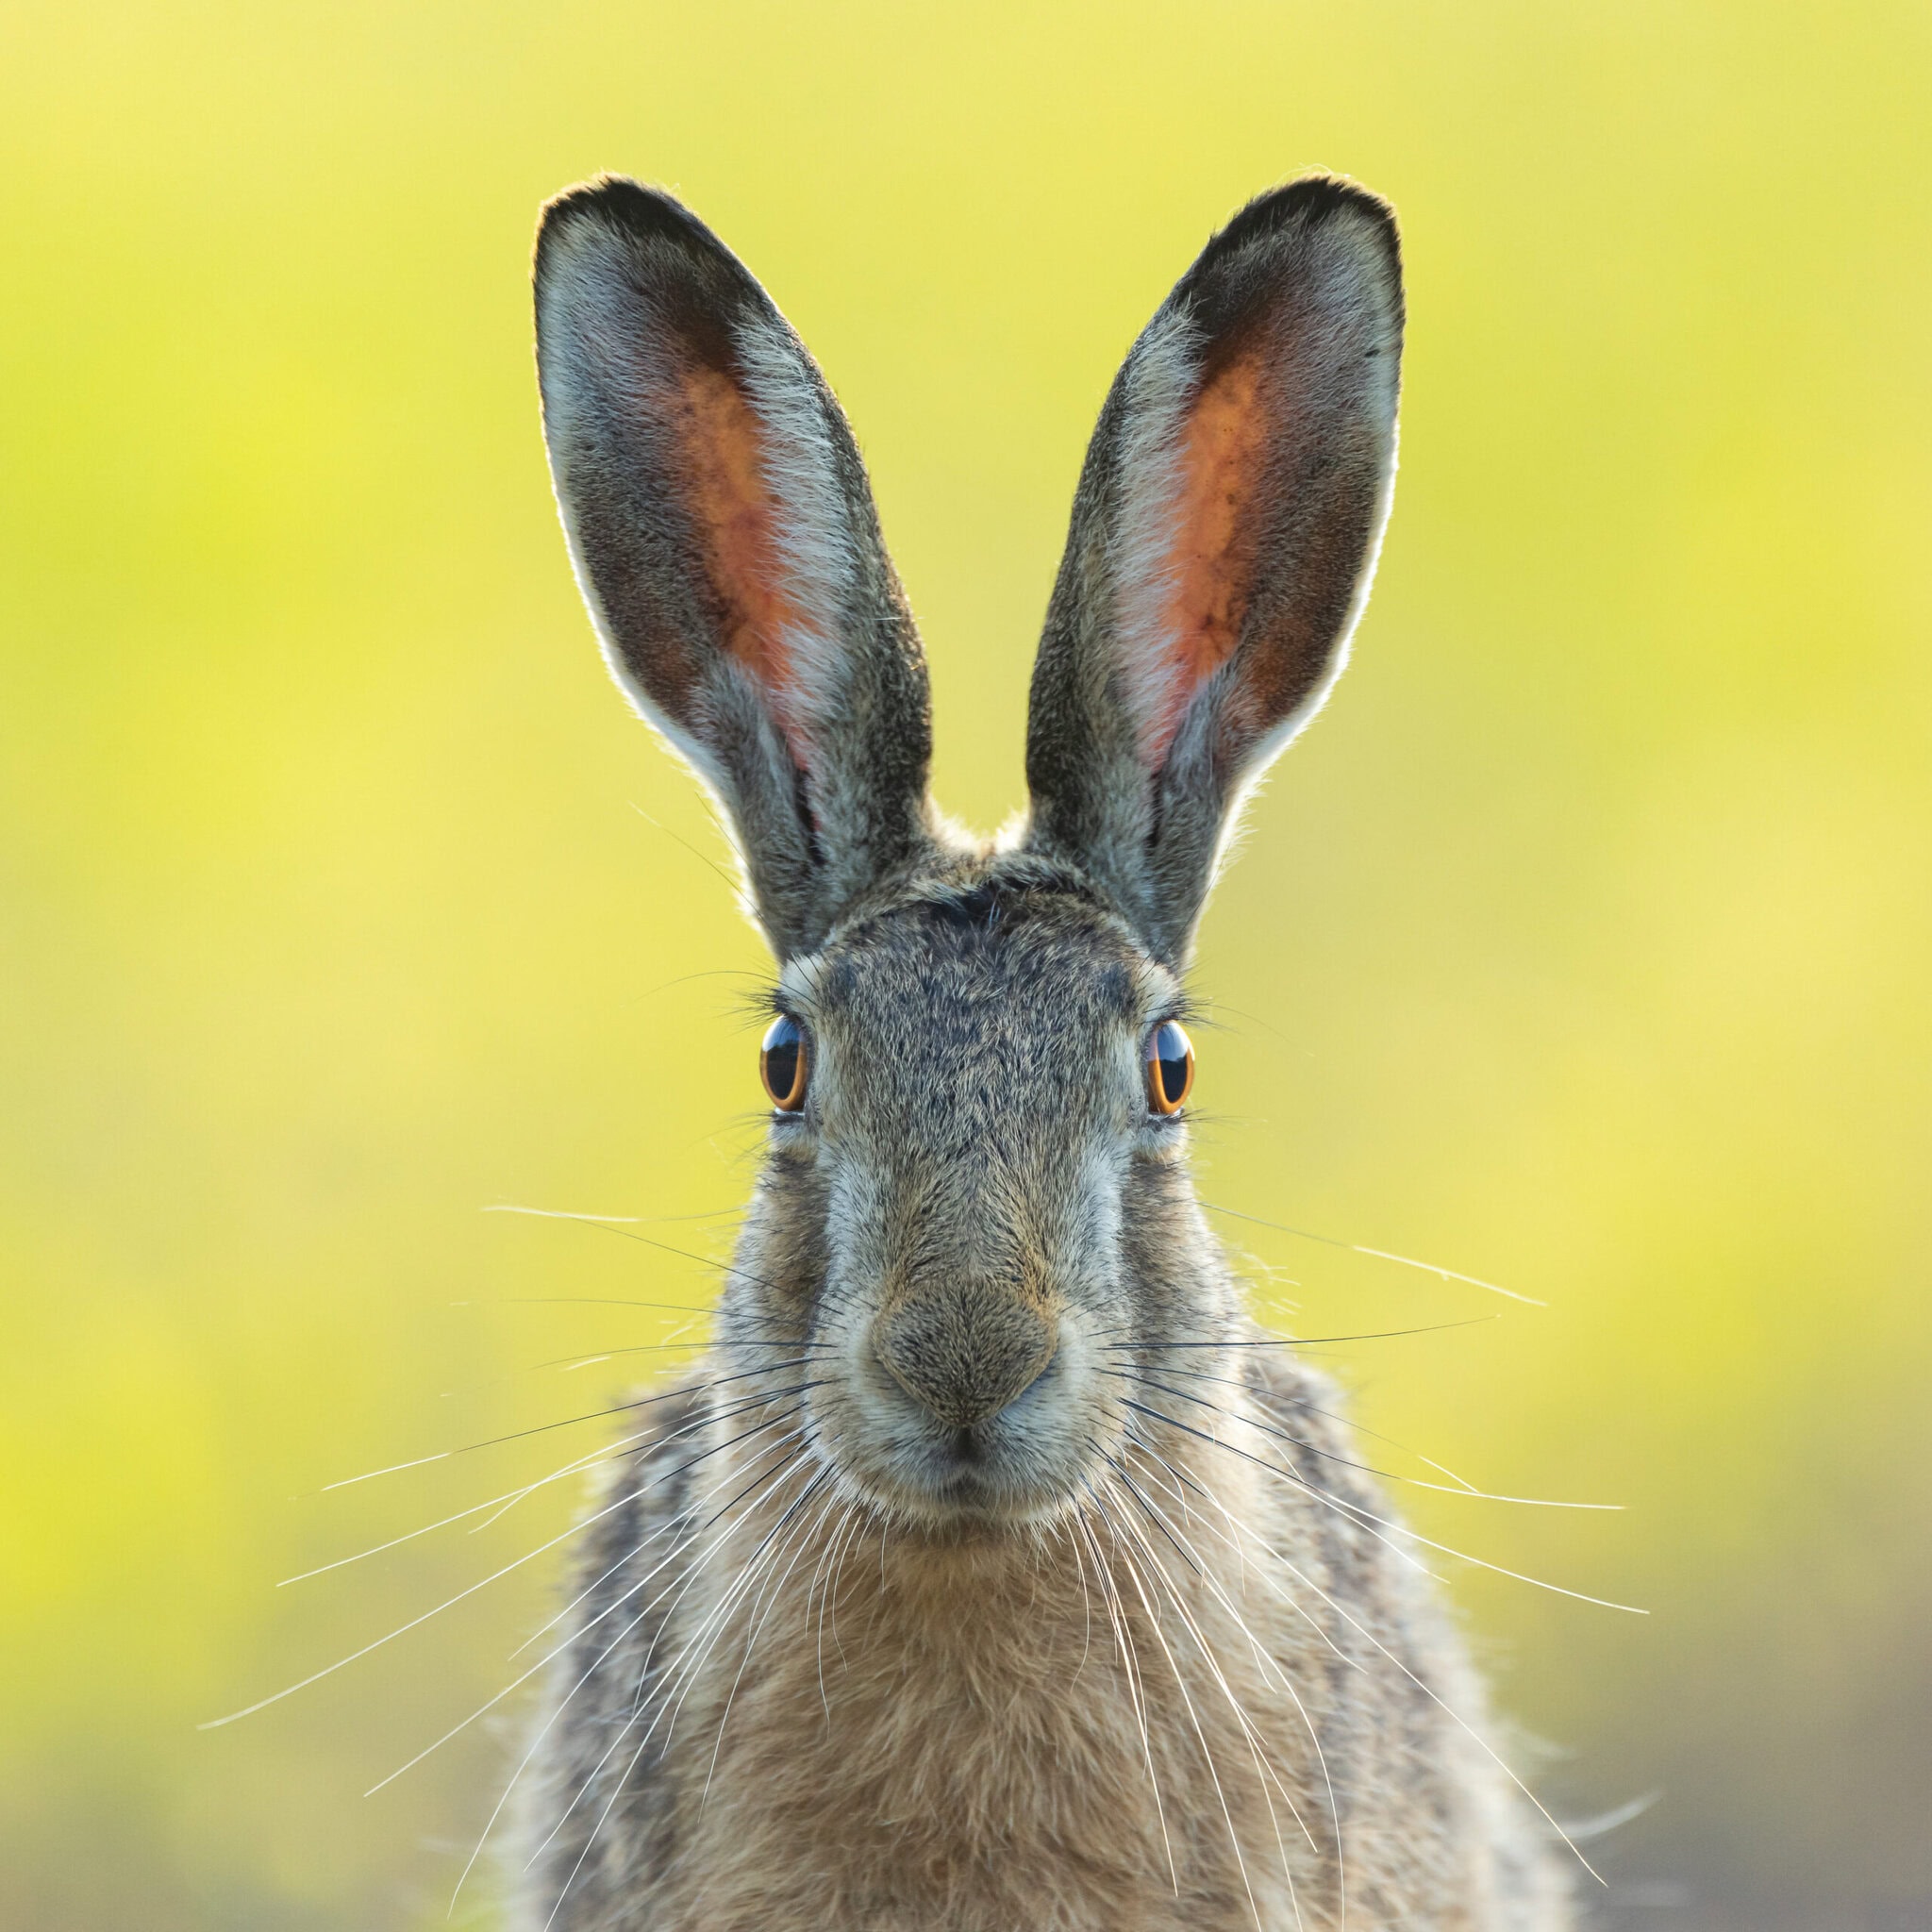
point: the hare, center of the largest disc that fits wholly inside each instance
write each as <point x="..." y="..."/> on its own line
<point x="996" y="1574"/>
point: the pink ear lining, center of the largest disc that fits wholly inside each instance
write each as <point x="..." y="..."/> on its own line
<point x="722" y="441"/>
<point x="1206" y="572"/>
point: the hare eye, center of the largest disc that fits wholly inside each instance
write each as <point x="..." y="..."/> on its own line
<point x="1170" y="1067"/>
<point x="782" y="1063"/>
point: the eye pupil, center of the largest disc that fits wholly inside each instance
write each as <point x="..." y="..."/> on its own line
<point x="782" y="1063"/>
<point x="1170" y="1067"/>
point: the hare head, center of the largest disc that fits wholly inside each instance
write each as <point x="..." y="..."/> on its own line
<point x="975" y="1195"/>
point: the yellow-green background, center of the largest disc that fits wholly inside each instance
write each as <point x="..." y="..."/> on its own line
<point x="1583" y="945"/>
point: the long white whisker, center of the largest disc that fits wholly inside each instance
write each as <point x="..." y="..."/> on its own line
<point x="536" y="1743"/>
<point x="803" y="1542"/>
<point x="718" y="1620"/>
<point x="1265" y="1661"/>
<point x="1194" y="1716"/>
<point x="1481" y="1743"/>
<point x="583" y="1678"/>
<point x="1109" y="1592"/>
<point x="684" y="1468"/>
<point x="828" y="1558"/>
<point x="1380" y="1255"/>
<point x="1365" y="1518"/>
<point x="669" y="1526"/>
<point x="1265" y="1771"/>
<point x="708" y="1629"/>
<point x="1270" y="1667"/>
<point x="1146" y="1379"/>
<point x="414" y="1623"/>
<point x="1086" y="1602"/>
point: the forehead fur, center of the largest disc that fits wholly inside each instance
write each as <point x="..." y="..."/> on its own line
<point x="983" y="939"/>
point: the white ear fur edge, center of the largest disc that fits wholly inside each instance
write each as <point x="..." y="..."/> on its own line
<point x="1255" y="773"/>
<point x="1141" y="563"/>
<point x="815" y="549"/>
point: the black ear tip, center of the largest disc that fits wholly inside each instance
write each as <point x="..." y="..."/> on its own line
<point x="1311" y="202"/>
<point x="616" y="203"/>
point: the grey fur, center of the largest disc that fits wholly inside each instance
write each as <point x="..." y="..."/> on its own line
<point x="1120" y="1633"/>
<point x="1308" y="280"/>
<point x="633" y="291"/>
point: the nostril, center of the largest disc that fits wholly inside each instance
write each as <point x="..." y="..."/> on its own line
<point x="964" y="1355"/>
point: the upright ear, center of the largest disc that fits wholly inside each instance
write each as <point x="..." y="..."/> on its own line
<point x="726" y="542"/>
<point x="1223" y="541"/>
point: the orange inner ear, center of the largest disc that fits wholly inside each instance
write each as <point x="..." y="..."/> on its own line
<point x="1212" y="555"/>
<point x="738" y="515"/>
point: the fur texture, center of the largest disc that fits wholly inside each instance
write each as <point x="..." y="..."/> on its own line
<point x="993" y="1572"/>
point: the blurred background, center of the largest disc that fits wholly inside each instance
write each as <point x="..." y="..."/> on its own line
<point x="1583" y="946"/>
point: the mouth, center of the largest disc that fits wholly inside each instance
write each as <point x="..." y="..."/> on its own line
<point x="1011" y="1469"/>
<point x="969" y="1468"/>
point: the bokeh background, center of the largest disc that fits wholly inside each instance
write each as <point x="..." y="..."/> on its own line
<point x="1583" y="946"/>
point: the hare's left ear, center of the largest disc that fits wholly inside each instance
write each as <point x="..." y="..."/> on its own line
<point x="1223" y="541"/>
<point x="726" y="543"/>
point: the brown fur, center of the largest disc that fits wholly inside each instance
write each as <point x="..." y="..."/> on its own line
<point x="973" y="1758"/>
<point x="993" y="1572"/>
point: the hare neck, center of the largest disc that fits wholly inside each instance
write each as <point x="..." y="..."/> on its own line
<point x="1008" y="1712"/>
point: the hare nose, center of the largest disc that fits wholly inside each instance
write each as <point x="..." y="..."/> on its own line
<point x="964" y="1355"/>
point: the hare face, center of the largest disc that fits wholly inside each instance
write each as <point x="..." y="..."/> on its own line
<point x="987" y="1190"/>
<point x="972" y="1207"/>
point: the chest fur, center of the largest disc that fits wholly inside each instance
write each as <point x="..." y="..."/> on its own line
<point x="1098" y="1731"/>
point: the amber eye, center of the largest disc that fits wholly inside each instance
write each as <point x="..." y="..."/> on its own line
<point x="782" y="1063"/>
<point x="1170" y="1067"/>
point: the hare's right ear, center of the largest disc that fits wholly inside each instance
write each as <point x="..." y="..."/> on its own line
<point x="1223" y="541"/>
<point x="726" y="542"/>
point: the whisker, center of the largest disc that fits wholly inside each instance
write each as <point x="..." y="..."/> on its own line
<point x="605" y="1355"/>
<point x="1264" y="1769"/>
<point x="1265" y="1658"/>
<point x="1355" y="1513"/>
<point x="1340" y="1417"/>
<point x="569" y="1469"/>
<point x="1086" y="1602"/>
<point x="734" y="1595"/>
<point x="557" y="1709"/>
<point x="1309" y="1341"/>
<point x="548" y="1657"/>
<point x="752" y="1636"/>
<point x="414" y="1623"/>
<point x="1110" y="1590"/>
<point x="612" y="1226"/>
<point x="402" y="1629"/>
<point x="631" y="1219"/>
<point x="1463" y="1724"/>
<point x="1234" y="1415"/>
<point x="688" y="1581"/>
<point x="597" y="1415"/>
<point x="1194" y="1716"/>
<point x="1347" y="1462"/>
<point x="491" y="1442"/>
<point x="389" y="1469"/>
<point x="684" y="1468"/>
<point x="1379" y="1254"/>
<point x="576" y="1466"/>
<point x="768" y="1481"/>
<point x="858" y="1537"/>
<point x="833" y="1545"/>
